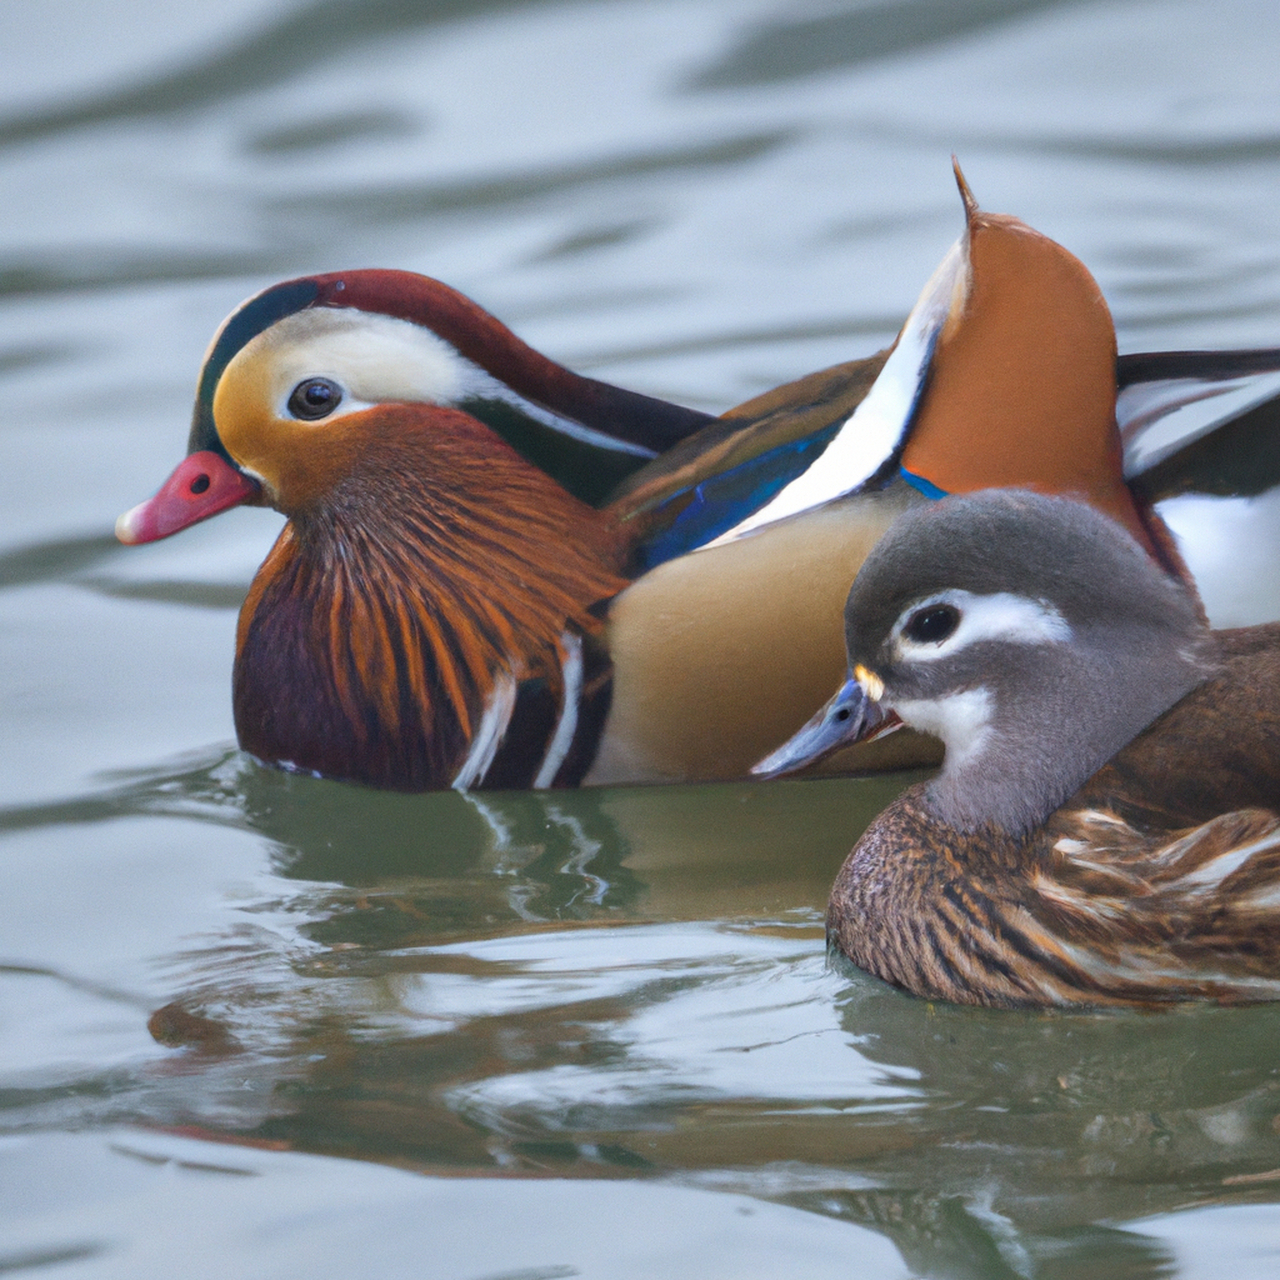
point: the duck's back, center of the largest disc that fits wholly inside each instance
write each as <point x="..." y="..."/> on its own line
<point x="1216" y="750"/>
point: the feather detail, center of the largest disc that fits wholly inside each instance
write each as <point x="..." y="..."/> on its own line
<point x="567" y="725"/>
<point x="489" y="735"/>
<point x="723" y="473"/>
<point x="1094" y="910"/>
<point x="397" y="614"/>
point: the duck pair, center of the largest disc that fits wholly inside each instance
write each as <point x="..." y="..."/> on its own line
<point x="497" y="573"/>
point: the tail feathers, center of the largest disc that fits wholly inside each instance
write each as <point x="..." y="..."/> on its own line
<point x="1184" y="914"/>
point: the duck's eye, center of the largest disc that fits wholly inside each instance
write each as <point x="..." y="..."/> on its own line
<point x="314" y="398"/>
<point x="932" y="625"/>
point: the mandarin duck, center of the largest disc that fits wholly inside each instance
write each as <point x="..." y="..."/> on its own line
<point x="498" y="573"/>
<point x="1105" y="829"/>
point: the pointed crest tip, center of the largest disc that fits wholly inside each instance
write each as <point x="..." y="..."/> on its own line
<point x="970" y="204"/>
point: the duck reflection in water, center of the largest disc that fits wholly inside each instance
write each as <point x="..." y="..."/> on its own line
<point x="389" y="997"/>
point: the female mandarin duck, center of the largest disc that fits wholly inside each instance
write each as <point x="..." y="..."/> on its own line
<point x="1106" y="825"/>
<point x="488" y="578"/>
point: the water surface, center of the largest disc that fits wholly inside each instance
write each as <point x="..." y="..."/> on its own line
<point x="584" y="1034"/>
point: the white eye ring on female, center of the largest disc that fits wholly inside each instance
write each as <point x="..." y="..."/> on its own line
<point x="953" y="620"/>
<point x="314" y="398"/>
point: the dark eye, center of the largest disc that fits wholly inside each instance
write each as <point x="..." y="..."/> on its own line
<point x="932" y="625"/>
<point x="314" y="398"/>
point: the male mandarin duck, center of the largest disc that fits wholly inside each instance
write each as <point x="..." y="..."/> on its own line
<point x="498" y="573"/>
<point x="1106" y="825"/>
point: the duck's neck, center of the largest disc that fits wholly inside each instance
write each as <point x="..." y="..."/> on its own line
<point x="1020" y="747"/>
<point x="385" y="637"/>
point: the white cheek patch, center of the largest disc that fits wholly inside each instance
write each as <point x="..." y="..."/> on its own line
<point x="961" y="720"/>
<point x="1001" y="616"/>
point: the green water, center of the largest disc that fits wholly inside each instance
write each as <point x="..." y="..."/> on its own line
<point x="524" y="1037"/>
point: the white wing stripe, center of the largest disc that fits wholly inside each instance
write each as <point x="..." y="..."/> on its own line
<point x="872" y="432"/>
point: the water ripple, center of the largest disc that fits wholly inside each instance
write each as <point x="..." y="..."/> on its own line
<point x="792" y="49"/>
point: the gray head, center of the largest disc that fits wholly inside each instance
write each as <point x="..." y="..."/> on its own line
<point x="1031" y="634"/>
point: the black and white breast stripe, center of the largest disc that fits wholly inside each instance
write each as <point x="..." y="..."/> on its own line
<point x="530" y="738"/>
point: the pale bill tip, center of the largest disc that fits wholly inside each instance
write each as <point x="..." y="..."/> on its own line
<point x="127" y="525"/>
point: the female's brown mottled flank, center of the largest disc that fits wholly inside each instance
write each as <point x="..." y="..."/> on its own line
<point x="1106" y="825"/>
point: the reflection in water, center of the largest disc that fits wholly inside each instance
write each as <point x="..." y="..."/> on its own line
<point x="633" y="982"/>
<point x="556" y="854"/>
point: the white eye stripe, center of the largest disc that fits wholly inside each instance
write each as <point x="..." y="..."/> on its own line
<point x="373" y="358"/>
<point x="376" y="358"/>
<point x="1000" y="616"/>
